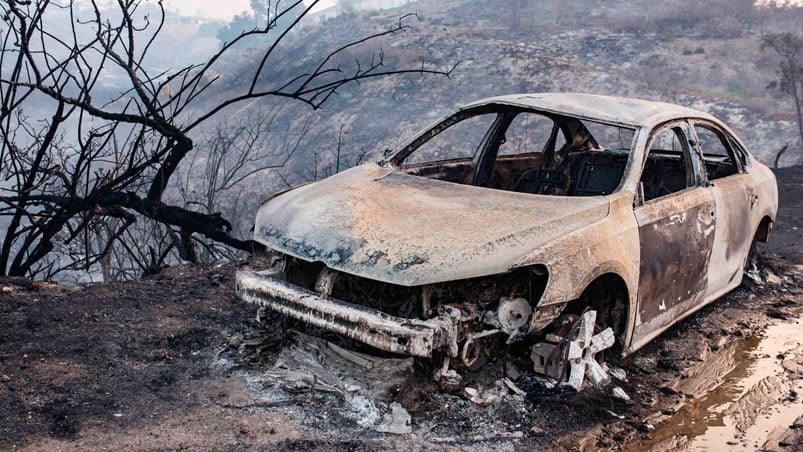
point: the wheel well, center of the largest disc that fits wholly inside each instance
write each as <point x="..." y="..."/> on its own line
<point x="608" y="295"/>
<point x="764" y="229"/>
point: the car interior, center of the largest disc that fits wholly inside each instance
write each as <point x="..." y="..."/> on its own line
<point x="517" y="150"/>
<point x="579" y="166"/>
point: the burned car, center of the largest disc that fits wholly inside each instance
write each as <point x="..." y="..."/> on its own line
<point x="512" y="213"/>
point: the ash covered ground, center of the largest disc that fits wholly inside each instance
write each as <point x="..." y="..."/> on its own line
<point x="175" y="361"/>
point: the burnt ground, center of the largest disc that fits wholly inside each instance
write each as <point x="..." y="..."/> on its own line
<point x="176" y="362"/>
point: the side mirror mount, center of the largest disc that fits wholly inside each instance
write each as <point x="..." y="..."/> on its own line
<point x="386" y="155"/>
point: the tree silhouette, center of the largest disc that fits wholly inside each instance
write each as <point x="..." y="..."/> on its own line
<point x="72" y="155"/>
<point x="789" y="47"/>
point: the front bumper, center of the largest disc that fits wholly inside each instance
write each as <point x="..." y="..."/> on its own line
<point x="389" y="333"/>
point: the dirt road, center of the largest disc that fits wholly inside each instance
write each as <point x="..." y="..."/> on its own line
<point x="176" y="362"/>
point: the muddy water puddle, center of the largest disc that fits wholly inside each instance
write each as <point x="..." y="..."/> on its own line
<point x="739" y="398"/>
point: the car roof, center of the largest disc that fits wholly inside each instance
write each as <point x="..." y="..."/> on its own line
<point x="608" y="109"/>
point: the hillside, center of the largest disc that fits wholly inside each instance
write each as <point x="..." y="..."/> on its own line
<point x="673" y="51"/>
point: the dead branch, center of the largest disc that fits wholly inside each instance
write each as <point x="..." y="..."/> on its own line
<point x="105" y="159"/>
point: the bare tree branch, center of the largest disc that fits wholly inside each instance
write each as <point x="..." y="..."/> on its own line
<point x="76" y="180"/>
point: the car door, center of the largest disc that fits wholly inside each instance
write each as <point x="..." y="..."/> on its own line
<point x="676" y="219"/>
<point x="735" y="199"/>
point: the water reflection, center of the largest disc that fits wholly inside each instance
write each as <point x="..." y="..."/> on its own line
<point x="704" y="423"/>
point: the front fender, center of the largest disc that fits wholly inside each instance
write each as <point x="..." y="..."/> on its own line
<point x="610" y="245"/>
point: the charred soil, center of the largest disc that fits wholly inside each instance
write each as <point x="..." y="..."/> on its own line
<point x="176" y="361"/>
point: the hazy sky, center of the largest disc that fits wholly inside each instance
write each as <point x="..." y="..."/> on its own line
<point x="223" y="9"/>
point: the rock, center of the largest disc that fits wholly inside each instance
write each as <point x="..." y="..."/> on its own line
<point x="646" y="427"/>
<point x="614" y="414"/>
<point x="703" y="353"/>
<point x="537" y="431"/>
<point x="365" y="410"/>
<point x="481" y="398"/>
<point x="512" y="371"/>
<point x="620" y="394"/>
<point x="398" y="421"/>
<point x="720" y="342"/>
<point x="618" y="374"/>
<point x="773" y="279"/>
<point x="5" y="378"/>
<point x="449" y="380"/>
<point x="792" y="366"/>
<point x="668" y="390"/>
<point x="777" y="314"/>
<point x="646" y="364"/>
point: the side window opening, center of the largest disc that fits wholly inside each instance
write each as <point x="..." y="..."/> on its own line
<point x="666" y="169"/>
<point x="610" y="137"/>
<point x="717" y="153"/>
<point x="739" y="152"/>
<point x="528" y="133"/>
<point x="573" y="161"/>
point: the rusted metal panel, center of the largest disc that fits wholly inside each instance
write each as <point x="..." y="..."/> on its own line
<point x="578" y="257"/>
<point x="677" y="236"/>
<point x="736" y="225"/>
<point x="382" y="224"/>
<point x="743" y="201"/>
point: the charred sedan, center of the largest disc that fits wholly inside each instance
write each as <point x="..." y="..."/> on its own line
<point x="512" y="213"/>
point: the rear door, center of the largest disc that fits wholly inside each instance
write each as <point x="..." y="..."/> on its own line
<point x="676" y="219"/>
<point x="735" y="198"/>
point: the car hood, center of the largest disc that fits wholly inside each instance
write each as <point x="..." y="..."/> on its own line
<point x="382" y="224"/>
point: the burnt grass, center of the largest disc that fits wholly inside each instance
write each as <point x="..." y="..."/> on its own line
<point x="73" y="356"/>
<point x="134" y="365"/>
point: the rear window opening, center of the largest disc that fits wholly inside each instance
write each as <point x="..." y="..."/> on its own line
<point x="520" y="150"/>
